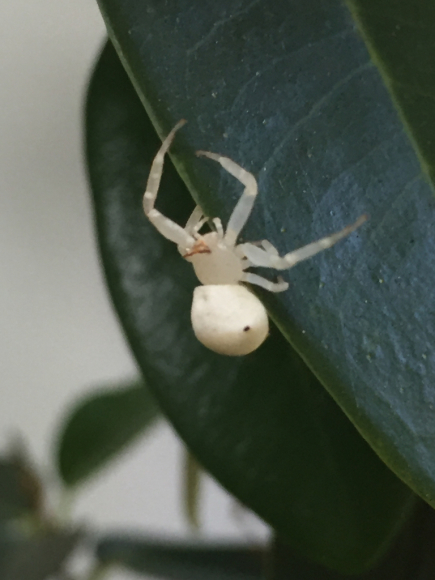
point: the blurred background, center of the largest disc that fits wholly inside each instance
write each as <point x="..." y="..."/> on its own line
<point x="59" y="336"/>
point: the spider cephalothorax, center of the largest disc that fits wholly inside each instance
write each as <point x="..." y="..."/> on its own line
<point x="226" y="316"/>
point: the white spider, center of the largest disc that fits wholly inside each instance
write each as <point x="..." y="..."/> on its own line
<point x="226" y="316"/>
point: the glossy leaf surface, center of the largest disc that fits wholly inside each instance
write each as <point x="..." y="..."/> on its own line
<point x="289" y="91"/>
<point x="100" y="427"/>
<point x="261" y="424"/>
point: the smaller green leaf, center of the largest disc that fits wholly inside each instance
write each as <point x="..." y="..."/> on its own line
<point x="100" y="426"/>
<point x="182" y="561"/>
<point x="37" y="557"/>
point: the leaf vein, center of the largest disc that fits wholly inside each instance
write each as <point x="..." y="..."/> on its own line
<point x="245" y="87"/>
<point x="316" y="107"/>
<point x="218" y="24"/>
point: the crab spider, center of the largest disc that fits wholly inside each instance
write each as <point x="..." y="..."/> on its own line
<point x="226" y="316"/>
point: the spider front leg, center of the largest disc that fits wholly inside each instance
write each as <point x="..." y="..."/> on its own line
<point x="195" y="222"/>
<point x="164" y="225"/>
<point x="245" y="204"/>
<point x="219" y="228"/>
<point x="268" y="259"/>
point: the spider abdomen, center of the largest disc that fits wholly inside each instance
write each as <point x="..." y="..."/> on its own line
<point x="228" y="319"/>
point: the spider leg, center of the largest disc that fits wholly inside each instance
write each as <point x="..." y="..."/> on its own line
<point x="164" y="225"/>
<point x="264" y="283"/>
<point x="270" y="248"/>
<point x="195" y="222"/>
<point x="260" y="257"/>
<point x="292" y="258"/>
<point x="244" y="206"/>
<point x="219" y="228"/>
<point x="246" y="263"/>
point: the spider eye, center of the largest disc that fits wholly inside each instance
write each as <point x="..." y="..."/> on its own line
<point x="228" y="319"/>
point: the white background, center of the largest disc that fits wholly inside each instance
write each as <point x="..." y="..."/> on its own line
<point x="59" y="337"/>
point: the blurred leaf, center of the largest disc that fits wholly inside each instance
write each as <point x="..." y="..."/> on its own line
<point x="401" y="37"/>
<point x="101" y="426"/>
<point x="192" y="476"/>
<point x="35" y="557"/>
<point x="13" y="501"/>
<point x="181" y="561"/>
<point x="261" y="424"/>
<point x="288" y="90"/>
<point x="20" y="487"/>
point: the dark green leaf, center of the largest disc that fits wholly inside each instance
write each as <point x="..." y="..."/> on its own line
<point x="288" y="90"/>
<point x="101" y="426"/>
<point x="34" y="557"/>
<point x="261" y="424"/>
<point x="412" y="556"/>
<point x="401" y="38"/>
<point x="174" y="561"/>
